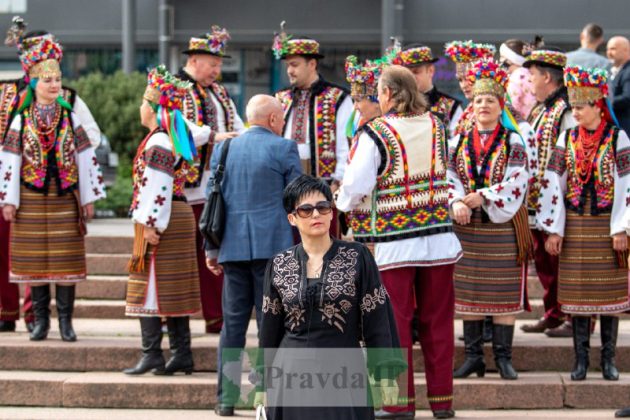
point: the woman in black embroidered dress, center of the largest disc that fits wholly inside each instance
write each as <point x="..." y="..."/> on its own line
<point x="325" y="294"/>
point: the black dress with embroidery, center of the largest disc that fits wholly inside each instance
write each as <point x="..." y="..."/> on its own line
<point x="347" y="307"/>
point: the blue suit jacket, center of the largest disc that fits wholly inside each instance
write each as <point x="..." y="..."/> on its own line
<point x="620" y="96"/>
<point x="258" y="167"/>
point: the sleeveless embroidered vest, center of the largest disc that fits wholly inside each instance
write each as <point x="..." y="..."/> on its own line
<point x="411" y="194"/>
<point x="322" y="125"/>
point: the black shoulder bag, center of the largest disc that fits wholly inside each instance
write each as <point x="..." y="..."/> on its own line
<point x="212" y="220"/>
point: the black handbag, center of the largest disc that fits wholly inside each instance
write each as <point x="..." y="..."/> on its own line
<point x="212" y="220"/>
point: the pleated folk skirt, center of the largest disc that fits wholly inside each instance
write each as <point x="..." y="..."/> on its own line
<point x="169" y="285"/>
<point x="488" y="278"/>
<point x="46" y="243"/>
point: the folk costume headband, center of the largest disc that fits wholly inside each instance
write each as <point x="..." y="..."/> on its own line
<point x="466" y="53"/>
<point x="212" y="43"/>
<point x="589" y="87"/>
<point x="511" y="55"/>
<point x="167" y="93"/>
<point x="39" y="55"/>
<point x="285" y="45"/>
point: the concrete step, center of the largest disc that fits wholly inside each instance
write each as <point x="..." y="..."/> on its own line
<point x="107" y="264"/>
<point x="55" y="413"/>
<point x="113" y="345"/>
<point x="548" y="390"/>
<point x="98" y="287"/>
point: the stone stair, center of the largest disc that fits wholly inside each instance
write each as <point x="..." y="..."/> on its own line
<point x="84" y="378"/>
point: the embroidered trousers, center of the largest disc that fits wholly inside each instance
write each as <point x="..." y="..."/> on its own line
<point x="432" y="288"/>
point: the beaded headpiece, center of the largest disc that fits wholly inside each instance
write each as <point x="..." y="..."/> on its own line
<point x="487" y="77"/>
<point x="363" y="78"/>
<point x="415" y="56"/>
<point x="585" y="86"/>
<point x="466" y="53"/>
<point x="547" y="58"/>
<point x="284" y="45"/>
<point x="39" y="55"/>
<point x="164" y="89"/>
<point x="213" y="43"/>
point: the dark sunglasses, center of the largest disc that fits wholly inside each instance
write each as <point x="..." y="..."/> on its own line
<point x="306" y="210"/>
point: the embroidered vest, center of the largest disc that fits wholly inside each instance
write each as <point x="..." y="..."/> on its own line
<point x="601" y="184"/>
<point x="41" y="166"/>
<point x="477" y="172"/>
<point x="411" y="194"/>
<point x="322" y="125"/>
<point x="163" y="160"/>
<point x="466" y="121"/>
<point x="546" y="133"/>
<point x="198" y="108"/>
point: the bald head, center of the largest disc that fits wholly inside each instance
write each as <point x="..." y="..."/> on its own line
<point x="618" y="50"/>
<point x="265" y="111"/>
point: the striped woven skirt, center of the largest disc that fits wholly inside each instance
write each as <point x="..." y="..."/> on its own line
<point x="488" y="278"/>
<point x="46" y="244"/>
<point x="589" y="279"/>
<point x="169" y="284"/>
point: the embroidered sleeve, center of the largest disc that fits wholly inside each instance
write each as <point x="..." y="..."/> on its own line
<point x="155" y="191"/>
<point x="93" y="132"/>
<point x="456" y="189"/>
<point x="91" y="185"/>
<point x="502" y="200"/>
<point x="360" y="177"/>
<point x="272" y="327"/>
<point x="10" y="165"/>
<point x="550" y="216"/>
<point x="341" y="145"/>
<point x="621" y="201"/>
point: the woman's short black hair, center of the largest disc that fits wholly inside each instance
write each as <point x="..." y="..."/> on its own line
<point x="301" y="186"/>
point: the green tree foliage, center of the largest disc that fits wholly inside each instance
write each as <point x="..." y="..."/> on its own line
<point x="114" y="101"/>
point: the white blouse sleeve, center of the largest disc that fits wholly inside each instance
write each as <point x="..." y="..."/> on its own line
<point x="11" y="164"/>
<point x="239" y="126"/>
<point x="155" y="194"/>
<point x="502" y="200"/>
<point x="91" y="185"/>
<point x="452" y="126"/>
<point x="552" y="215"/>
<point x="88" y="123"/>
<point x="360" y="176"/>
<point x="622" y="184"/>
<point x="200" y="133"/>
<point x="343" y="115"/>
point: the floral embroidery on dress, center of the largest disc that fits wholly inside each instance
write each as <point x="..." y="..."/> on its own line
<point x="330" y="314"/>
<point x="295" y="315"/>
<point x="341" y="274"/>
<point x="286" y="276"/>
<point x="371" y="301"/>
<point x="271" y="305"/>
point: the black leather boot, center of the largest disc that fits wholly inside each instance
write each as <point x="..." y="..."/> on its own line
<point x="65" y="306"/>
<point x="487" y="330"/>
<point x="181" y="354"/>
<point x="7" y="326"/>
<point x="473" y="345"/>
<point x="581" y="346"/>
<point x="502" y="337"/>
<point x="609" y="329"/>
<point x="152" y="358"/>
<point x="40" y="295"/>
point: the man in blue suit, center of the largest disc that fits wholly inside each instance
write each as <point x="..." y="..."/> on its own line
<point x="259" y="164"/>
<point x="618" y="51"/>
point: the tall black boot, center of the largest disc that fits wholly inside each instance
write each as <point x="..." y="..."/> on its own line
<point x="502" y="337"/>
<point x="473" y="341"/>
<point x="181" y="358"/>
<point x="40" y="295"/>
<point x="609" y="328"/>
<point x="581" y="346"/>
<point x="65" y="307"/>
<point x="487" y="330"/>
<point x="152" y="358"/>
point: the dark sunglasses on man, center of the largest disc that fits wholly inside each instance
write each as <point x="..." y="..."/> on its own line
<point x="306" y="210"/>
